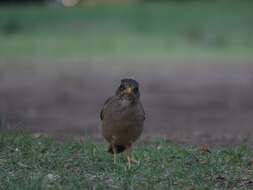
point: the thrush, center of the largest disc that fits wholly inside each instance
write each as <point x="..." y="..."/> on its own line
<point x="122" y="118"/>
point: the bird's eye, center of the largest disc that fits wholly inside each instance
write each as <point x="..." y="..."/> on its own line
<point x="136" y="90"/>
<point x="121" y="87"/>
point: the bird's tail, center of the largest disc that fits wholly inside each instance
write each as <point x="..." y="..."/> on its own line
<point x="117" y="148"/>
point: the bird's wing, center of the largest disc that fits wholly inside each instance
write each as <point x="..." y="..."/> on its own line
<point x="142" y="110"/>
<point x="104" y="106"/>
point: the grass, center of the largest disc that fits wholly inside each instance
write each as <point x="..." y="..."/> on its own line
<point x="160" y="31"/>
<point x="41" y="163"/>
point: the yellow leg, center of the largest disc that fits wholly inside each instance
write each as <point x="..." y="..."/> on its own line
<point x="130" y="159"/>
<point x="128" y="151"/>
<point x="114" y="155"/>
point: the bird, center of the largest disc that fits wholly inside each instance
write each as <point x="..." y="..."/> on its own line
<point x="122" y="118"/>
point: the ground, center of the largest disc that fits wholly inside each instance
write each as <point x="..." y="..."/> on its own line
<point x="40" y="163"/>
<point x="195" y="103"/>
<point x="58" y="66"/>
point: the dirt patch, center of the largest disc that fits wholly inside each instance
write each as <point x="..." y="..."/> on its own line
<point x="196" y="103"/>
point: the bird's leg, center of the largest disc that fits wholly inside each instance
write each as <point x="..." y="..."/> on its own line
<point x="130" y="159"/>
<point x="128" y="152"/>
<point x="114" y="149"/>
<point x="114" y="154"/>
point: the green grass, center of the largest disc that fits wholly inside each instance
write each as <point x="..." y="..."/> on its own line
<point x="41" y="163"/>
<point x="163" y="30"/>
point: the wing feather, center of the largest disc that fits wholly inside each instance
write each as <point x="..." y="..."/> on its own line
<point x="142" y="110"/>
<point x="104" y="106"/>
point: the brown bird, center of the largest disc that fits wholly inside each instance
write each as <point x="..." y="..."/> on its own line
<point x="122" y="118"/>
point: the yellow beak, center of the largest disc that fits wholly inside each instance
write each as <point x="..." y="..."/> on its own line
<point x="128" y="90"/>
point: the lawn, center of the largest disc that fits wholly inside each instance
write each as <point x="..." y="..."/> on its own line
<point x="41" y="163"/>
<point x="159" y="31"/>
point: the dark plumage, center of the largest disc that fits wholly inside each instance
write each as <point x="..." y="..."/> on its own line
<point x="117" y="148"/>
<point x="123" y="116"/>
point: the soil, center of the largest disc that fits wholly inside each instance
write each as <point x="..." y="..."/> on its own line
<point x="201" y="103"/>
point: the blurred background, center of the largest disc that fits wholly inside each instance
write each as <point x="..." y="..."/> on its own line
<point x="60" y="60"/>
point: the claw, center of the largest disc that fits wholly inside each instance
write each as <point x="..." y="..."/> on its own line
<point x="130" y="159"/>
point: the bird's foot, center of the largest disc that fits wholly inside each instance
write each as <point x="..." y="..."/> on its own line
<point x="114" y="158"/>
<point x="131" y="161"/>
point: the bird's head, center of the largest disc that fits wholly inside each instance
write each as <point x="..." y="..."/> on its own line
<point x="128" y="90"/>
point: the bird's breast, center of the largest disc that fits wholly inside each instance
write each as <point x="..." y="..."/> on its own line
<point x="123" y="122"/>
<point x="123" y="113"/>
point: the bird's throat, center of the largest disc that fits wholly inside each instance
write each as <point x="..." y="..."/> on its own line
<point x="125" y="102"/>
